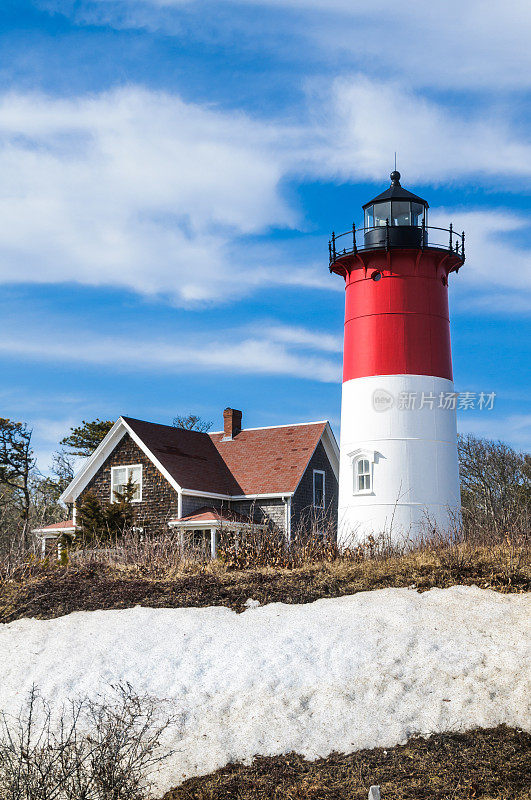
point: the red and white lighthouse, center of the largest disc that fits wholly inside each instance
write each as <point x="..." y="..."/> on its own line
<point x="398" y="467"/>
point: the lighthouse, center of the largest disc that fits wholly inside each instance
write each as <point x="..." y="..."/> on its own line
<point x="398" y="470"/>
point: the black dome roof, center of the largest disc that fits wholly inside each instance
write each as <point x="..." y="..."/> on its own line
<point x="396" y="192"/>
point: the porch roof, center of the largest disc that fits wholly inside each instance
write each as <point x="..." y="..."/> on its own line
<point x="210" y="517"/>
<point x="67" y="526"/>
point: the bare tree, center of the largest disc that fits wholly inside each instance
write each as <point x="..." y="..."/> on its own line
<point x="192" y="422"/>
<point x="495" y="483"/>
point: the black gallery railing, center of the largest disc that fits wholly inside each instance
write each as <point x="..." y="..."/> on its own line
<point x="395" y="236"/>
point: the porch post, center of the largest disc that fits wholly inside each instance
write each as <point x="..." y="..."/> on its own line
<point x="288" y="519"/>
<point x="213" y="549"/>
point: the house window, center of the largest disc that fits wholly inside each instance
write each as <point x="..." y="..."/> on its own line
<point x="121" y="476"/>
<point x="362" y="475"/>
<point x="318" y="488"/>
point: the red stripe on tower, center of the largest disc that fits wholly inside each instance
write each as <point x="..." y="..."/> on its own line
<point x="396" y="316"/>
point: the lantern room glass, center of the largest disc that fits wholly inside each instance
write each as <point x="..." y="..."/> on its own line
<point x="398" y="213"/>
<point x="418" y="213"/>
<point x="382" y="214"/>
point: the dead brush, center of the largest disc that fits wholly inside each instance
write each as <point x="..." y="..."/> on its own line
<point x="89" y="750"/>
<point x="312" y="542"/>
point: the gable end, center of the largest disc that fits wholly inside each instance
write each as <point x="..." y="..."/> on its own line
<point x="159" y="499"/>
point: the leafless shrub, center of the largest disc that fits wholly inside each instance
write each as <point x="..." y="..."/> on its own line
<point x="90" y="751"/>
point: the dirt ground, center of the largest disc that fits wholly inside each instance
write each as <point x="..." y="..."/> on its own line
<point x="53" y="591"/>
<point x="485" y="764"/>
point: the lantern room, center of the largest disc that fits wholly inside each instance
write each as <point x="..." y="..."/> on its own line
<point x="396" y="218"/>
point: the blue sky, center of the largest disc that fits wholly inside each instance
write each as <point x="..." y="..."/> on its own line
<point x="170" y="172"/>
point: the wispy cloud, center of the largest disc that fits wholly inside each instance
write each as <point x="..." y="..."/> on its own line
<point x="514" y="429"/>
<point x="301" y="337"/>
<point x="437" y="143"/>
<point x="446" y="43"/>
<point x="233" y="353"/>
<point x="496" y="276"/>
<point x="140" y="189"/>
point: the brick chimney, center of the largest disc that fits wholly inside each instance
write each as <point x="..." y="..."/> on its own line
<point x="232" y="423"/>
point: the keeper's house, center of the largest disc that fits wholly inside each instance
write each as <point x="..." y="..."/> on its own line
<point x="205" y="482"/>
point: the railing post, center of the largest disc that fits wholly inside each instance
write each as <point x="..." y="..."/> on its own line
<point x="463" y="245"/>
<point x="451" y="243"/>
<point x="330" y="250"/>
<point x="423" y="234"/>
<point x="354" y="247"/>
<point x="334" y="245"/>
<point x="387" y="233"/>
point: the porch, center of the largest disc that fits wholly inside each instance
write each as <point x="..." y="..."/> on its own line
<point x="201" y="530"/>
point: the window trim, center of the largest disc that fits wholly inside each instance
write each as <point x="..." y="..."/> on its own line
<point x="356" y="457"/>
<point x="127" y="466"/>
<point x="357" y="474"/>
<point x="323" y="473"/>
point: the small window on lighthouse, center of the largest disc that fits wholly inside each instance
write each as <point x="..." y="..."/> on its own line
<point x="363" y="475"/>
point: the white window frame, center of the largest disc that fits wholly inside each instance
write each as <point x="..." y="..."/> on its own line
<point x="323" y="473"/>
<point x="128" y="467"/>
<point x="356" y="457"/>
<point x="357" y="475"/>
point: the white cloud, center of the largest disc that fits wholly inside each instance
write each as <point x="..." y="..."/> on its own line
<point x="301" y="337"/>
<point x="496" y="276"/>
<point x="234" y="353"/>
<point x="138" y="189"/>
<point x="370" y="120"/>
<point x="442" y="43"/>
<point x="135" y="188"/>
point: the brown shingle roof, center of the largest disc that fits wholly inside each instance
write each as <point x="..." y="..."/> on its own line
<point x="256" y="461"/>
<point x="270" y="460"/>
<point x="189" y="456"/>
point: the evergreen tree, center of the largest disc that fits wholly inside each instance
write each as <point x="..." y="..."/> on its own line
<point x="101" y="522"/>
<point x="17" y="464"/>
<point x="83" y="440"/>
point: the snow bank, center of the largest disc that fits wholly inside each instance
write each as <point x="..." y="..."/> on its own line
<point x="360" y="671"/>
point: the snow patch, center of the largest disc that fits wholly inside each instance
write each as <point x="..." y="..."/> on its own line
<point x="367" y="670"/>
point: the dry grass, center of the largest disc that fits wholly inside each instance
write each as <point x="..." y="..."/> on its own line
<point x="45" y="590"/>
<point x="482" y="764"/>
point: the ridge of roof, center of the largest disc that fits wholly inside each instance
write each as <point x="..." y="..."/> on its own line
<point x="270" y="427"/>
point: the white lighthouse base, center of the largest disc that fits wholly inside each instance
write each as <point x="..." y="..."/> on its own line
<point x="404" y="426"/>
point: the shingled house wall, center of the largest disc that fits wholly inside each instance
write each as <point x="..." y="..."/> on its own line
<point x="302" y="510"/>
<point x="192" y="503"/>
<point x="272" y="510"/>
<point x="159" y="499"/>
